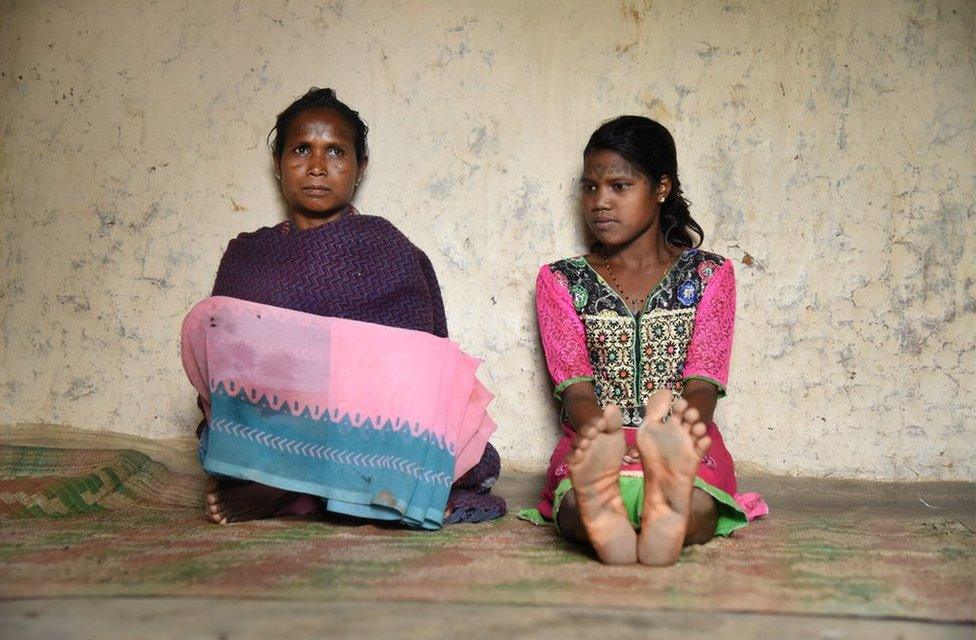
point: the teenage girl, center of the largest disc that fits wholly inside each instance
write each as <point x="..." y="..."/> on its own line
<point x="637" y="336"/>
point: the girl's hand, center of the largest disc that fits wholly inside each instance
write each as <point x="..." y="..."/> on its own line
<point x="631" y="456"/>
<point x="597" y="423"/>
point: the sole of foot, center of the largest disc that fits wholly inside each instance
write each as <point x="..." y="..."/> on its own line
<point x="594" y="467"/>
<point x="671" y="447"/>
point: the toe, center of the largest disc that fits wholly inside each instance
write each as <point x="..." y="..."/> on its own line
<point x="702" y="445"/>
<point x="680" y="406"/>
<point x="690" y="416"/>
<point x="698" y="429"/>
<point x="658" y="405"/>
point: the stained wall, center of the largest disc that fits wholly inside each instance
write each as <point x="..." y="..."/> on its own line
<point x="827" y="147"/>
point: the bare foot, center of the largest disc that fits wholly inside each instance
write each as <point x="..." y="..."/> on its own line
<point x="670" y="451"/>
<point x="594" y="467"/>
<point x="238" y="500"/>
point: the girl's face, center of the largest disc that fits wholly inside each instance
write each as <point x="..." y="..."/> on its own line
<point x="619" y="202"/>
<point x="318" y="168"/>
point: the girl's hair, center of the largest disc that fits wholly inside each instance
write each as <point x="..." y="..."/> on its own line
<point x="648" y="145"/>
<point x="316" y="98"/>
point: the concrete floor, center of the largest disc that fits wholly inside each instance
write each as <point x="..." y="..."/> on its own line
<point x="151" y="618"/>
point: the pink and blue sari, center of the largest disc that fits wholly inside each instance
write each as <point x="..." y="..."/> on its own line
<point x="323" y="367"/>
<point x="377" y="420"/>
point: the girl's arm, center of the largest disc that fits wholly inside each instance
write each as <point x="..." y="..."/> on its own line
<point x="706" y="370"/>
<point x="580" y="405"/>
<point x="564" y="342"/>
<point x="702" y="396"/>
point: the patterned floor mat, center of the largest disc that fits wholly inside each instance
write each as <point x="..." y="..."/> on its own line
<point x="117" y="523"/>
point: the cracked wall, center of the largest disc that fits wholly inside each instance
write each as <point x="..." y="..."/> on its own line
<point x="827" y="148"/>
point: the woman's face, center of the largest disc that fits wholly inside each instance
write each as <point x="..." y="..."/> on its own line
<point x="318" y="168"/>
<point x="619" y="202"/>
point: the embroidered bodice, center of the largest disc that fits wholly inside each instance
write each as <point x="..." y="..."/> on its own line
<point x="684" y="330"/>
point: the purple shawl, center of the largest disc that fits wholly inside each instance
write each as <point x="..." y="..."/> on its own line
<point x="356" y="267"/>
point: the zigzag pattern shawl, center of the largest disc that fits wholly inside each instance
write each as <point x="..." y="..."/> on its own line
<point x="357" y="267"/>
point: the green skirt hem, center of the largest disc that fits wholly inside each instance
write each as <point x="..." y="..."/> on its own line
<point x="730" y="515"/>
<point x="533" y="516"/>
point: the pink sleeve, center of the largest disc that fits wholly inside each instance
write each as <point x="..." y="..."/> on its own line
<point x="711" y="341"/>
<point x="563" y="335"/>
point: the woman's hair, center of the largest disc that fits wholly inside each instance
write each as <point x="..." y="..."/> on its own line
<point x="317" y="98"/>
<point x="648" y="145"/>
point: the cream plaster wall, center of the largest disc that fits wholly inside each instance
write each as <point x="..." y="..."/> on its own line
<point x="828" y="148"/>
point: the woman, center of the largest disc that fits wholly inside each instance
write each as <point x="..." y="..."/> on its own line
<point x="309" y="405"/>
